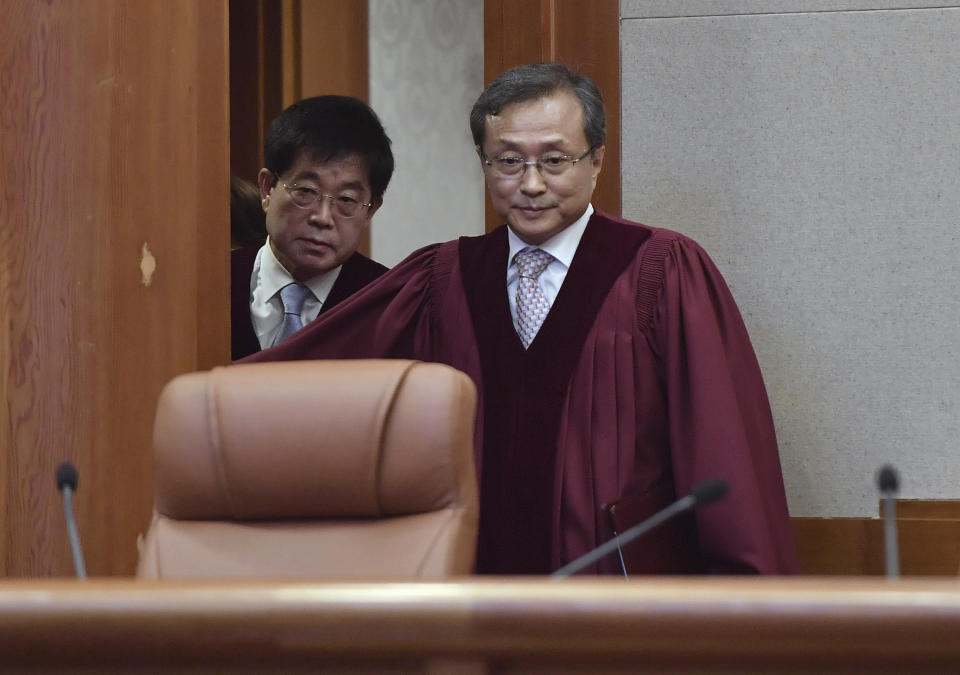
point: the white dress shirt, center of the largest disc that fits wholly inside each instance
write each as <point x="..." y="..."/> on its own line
<point x="562" y="246"/>
<point x="266" y="280"/>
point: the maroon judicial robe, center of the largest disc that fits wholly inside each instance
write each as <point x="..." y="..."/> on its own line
<point x="641" y="383"/>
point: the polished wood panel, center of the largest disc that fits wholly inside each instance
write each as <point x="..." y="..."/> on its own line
<point x="290" y="52"/>
<point x="256" y="80"/>
<point x="582" y="34"/>
<point x="113" y="259"/>
<point x="513" y="35"/>
<point x="930" y="509"/>
<point x="839" y="546"/>
<point x="334" y="57"/>
<point x="657" y="625"/>
<point x="588" y="40"/>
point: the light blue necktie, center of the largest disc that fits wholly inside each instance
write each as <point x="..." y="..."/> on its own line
<point x="292" y="296"/>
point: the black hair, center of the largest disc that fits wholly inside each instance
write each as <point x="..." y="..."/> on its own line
<point x="248" y="226"/>
<point x="330" y="127"/>
<point x="536" y="80"/>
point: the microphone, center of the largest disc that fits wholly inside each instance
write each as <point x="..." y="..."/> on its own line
<point x="705" y="493"/>
<point x="67" y="484"/>
<point x="887" y="482"/>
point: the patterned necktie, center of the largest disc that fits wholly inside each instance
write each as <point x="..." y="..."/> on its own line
<point x="532" y="306"/>
<point x="292" y="296"/>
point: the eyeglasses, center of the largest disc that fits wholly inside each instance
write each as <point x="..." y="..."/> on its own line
<point x="305" y="197"/>
<point x="551" y="164"/>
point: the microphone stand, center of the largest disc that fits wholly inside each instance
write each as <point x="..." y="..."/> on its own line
<point x="704" y="493"/>
<point x="67" y="483"/>
<point x="888" y="482"/>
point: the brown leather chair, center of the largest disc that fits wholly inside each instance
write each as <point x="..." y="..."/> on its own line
<point x="306" y="469"/>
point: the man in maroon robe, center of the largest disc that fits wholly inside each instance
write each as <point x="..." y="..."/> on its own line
<point x="639" y="383"/>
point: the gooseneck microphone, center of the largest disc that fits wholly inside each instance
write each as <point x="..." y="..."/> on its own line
<point x="704" y="493"/>
<point x="67" y="484"/>
<point x="888" y="483"/>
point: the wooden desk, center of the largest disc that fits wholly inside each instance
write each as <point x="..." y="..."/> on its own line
<point x="581" y="625"/>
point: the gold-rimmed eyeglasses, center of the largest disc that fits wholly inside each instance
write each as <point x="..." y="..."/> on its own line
<point x="551" y="164"/>
<point x="306" y="197"/>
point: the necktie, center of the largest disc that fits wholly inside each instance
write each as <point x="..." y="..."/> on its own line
<point x="532" y="306"/>
<point x="292" y="297"/>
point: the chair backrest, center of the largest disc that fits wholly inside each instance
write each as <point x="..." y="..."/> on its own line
<point x="314" y="469"/>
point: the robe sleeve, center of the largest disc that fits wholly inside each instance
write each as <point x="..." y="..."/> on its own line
<point x="719" y="419"/>
<point x="388" y="318"/>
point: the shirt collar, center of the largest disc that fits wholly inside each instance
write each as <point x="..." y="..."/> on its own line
<point x="562" y="245"/>
<point x="274" y="276"/>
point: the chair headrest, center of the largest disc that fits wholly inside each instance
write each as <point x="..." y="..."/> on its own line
<point x="313" y="439"/>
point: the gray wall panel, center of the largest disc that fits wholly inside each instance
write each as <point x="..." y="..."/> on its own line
<point x="817" y="158"/>
<point x="645" y="9"/>
<point x="426" y="71"/>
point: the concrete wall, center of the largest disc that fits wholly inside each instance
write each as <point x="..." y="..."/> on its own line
<point x="426" y="70"/>
<point x="813" y="148"/>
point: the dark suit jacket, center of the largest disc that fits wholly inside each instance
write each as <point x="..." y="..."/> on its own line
<point x="357" y="272"/>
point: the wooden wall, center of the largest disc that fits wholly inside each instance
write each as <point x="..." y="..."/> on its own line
<point x="113" y="257"/>
<point x="928" y="535"/>
<point x="114" y="241"/>
<point x="333" y="56"/>
<point x="256" y="80"/>
<point x="584" y="35"/>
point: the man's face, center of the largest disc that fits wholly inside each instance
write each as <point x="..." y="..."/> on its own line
<point x="310" y="241"/>
<point x="536" y="206"/>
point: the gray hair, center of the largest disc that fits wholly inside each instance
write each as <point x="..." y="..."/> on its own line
<point x="534" y="81"/>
